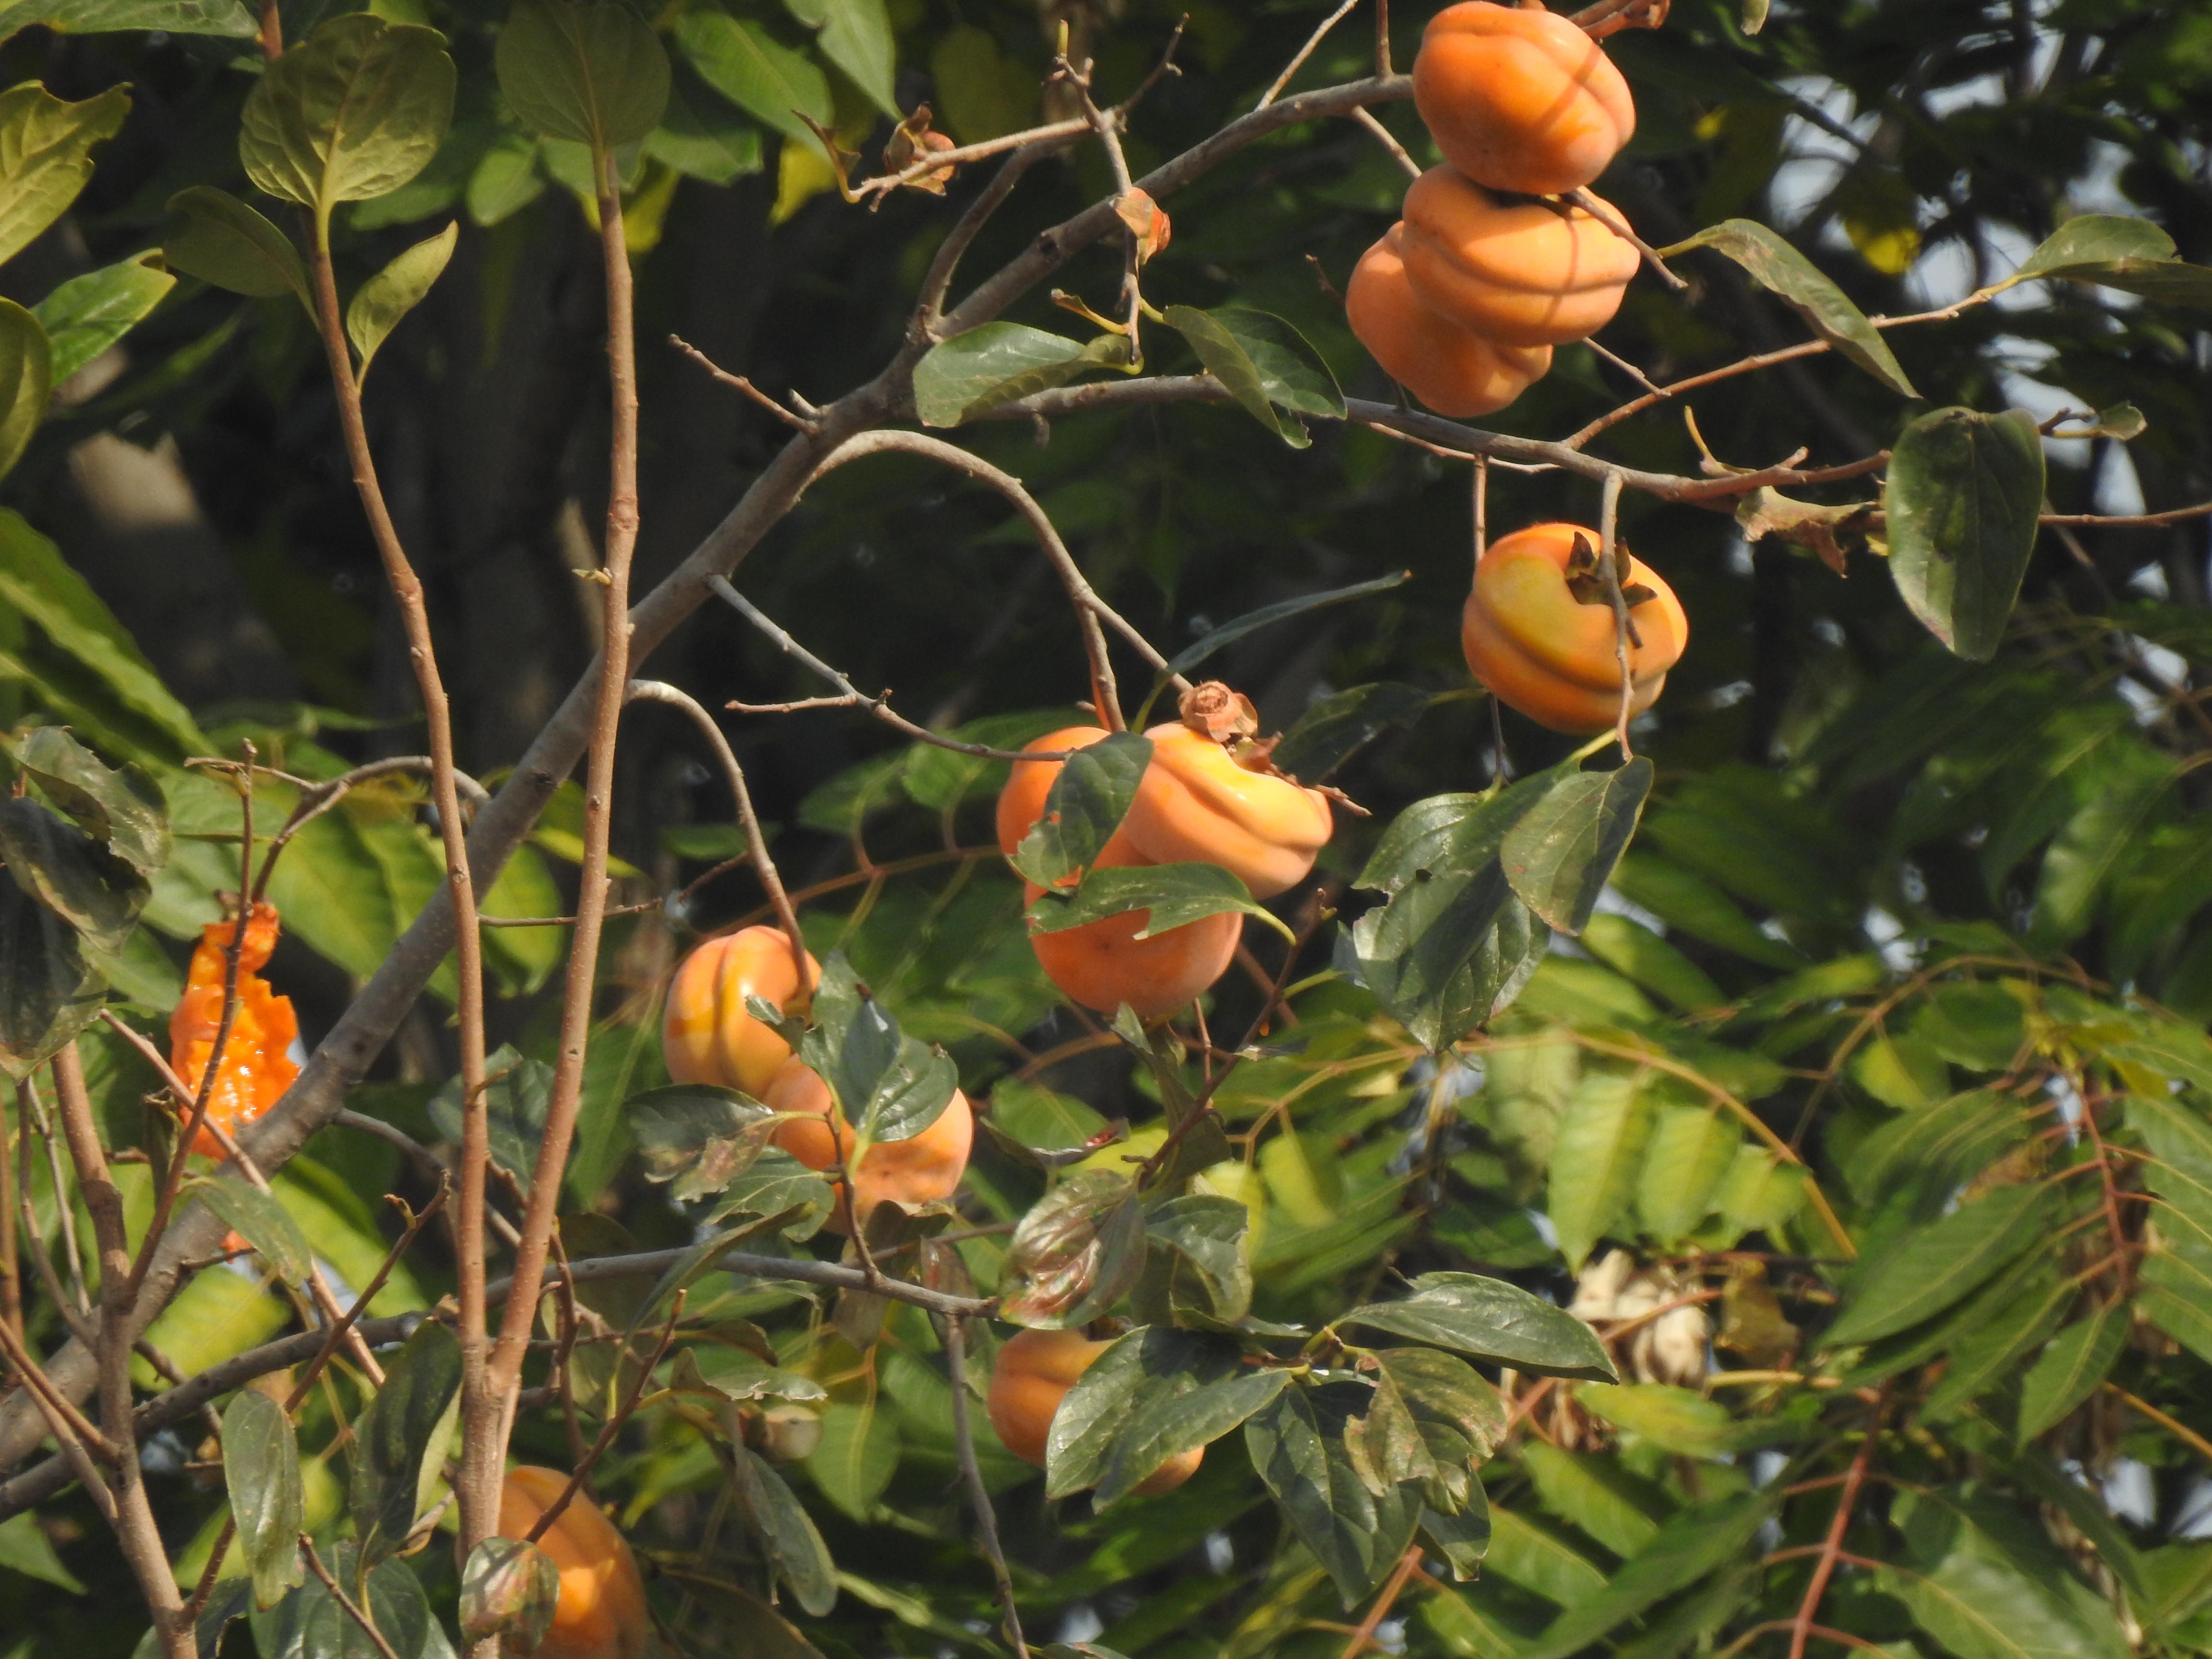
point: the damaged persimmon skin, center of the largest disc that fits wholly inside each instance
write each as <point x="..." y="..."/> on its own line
<point x="256" y="1058"/>
<point x="1542" y="650"/>
<point x="1033" y="1371"/>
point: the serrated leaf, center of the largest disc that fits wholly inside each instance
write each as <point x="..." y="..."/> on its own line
<point x="592" y="73"/>
<point x="972" y="373"/>
<point x="761" y="77"/>
<point x="1936" y="1266"/>
<point x="1075" y="1254"/>
<point x="379" y="303"/>
<point x="86" y="315"/>
<point x="1237" y="627"/>
<point x="46" y="156"/>
<point x="1962" y="495"/>
<point x="261" y="1221"/>
<point x="1491" y="1319"/>
<point x="401" y="1440"/>
<point x="1591" y="1490"/>
<point x="1173" y="895"/>
<point x="351" y="113"/>
<point x="1561" y="852"/>
<point x="232" y="245"/>
<point x="1085" y="805"/>
<point x="268" y="1500"/>
<point x="26" y="380"/>
<point x="1769" y="260"/>
<point x="1266" y="365"/>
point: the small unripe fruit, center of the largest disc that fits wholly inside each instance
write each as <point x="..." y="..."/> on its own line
<point x="707" y="1032"/>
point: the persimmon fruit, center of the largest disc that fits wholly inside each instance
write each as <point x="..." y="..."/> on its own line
<point x="1033" y="1371"/>
<point x="1542" y="650"/>
<point x="1453" y="370"/>
<point x="257" y="1061"/>
<point x="919" y="1170"/>
<point x="1518" y="273"/>
<point x="708" y="1033"/>
<point x="601" y="1612"/>
<point x="1199" y="803"/>
<point x="1519" y="98"/>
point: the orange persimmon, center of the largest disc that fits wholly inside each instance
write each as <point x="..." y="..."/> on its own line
<point x="1454" y="371"/>
<point x="708" y="1033"/>
<point x="601" y="1612"/>
<point x="1200" y="802"/>
<point x="916" y="1170"/>
<point x="1544" y="652"/>
<point x="1522" y="273"/>
<point x="1033" y="1371"/>
<point x="256" y="1062"/>
<point x="1519" y="98"/>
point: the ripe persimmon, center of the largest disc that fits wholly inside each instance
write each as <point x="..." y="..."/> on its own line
<point x="257" y="1061"/>
<point x="708" y="1033"/>
<point x="1033" y="1371"/>
<point x="1522" y="273"/>
<point x="1202" y="801"/>
<point x="1519" y="98"/>
<point x="1543" y="651"/>
<point x="1453" y="370"/>
<point x="601" y="1612"/>
<point x="916" y="1170"/>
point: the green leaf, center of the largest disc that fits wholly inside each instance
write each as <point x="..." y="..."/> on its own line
<point x="1676" y="1420"/>
<point x="981" y="92"/>
<point x="786" y="1531"/>
<point x="1075" y="1254"/>
<point x="1654" y="964"/>
<point x="1462" y="1538"/>
<point x="1040" y="1119"/>
<point x="1560" y="853"/>
<point x="517" y="1092"/>
<point x="1533" y="1557"/>
<point x="1597" y="1159"/>
<point x="765" y="79"/>
<point x="2090" y="239"/>
<point x="1962" y="495"/>
<point x="972" y="373"/>
<point x="1934" y="1267"/>
<point x="46" y="156"/>
<point x="2068" y="1371"/>
<point x="1173" y="895"/>
<point x="1982" y="1599"/>
<point x="1775" y="265"/>
<point x="1235" y="629"/>
<point x="25" y="1548"/>
<point x="1267" y="364"/>
<point x="1690" y="1546"/>
<point x="1085" y="805"/>
<point x="48" y="991"/>
<point x="1196" y="1269"/>
<point x="1167" y="1429"/>
<point x="1690" y="1151"/>
<point x="857" y="1456"/>
<point x="856" y="36"/>
<point x="1591" y="1490"/>
<point x="1690" y="905"/>
<point x="383" y="299"/>
<point x="1491" y="1319"/>
<point x="261" y="1221"/>
<point x="2078" y="864"/>
<point x="86" y="314"/>
<point x="222" y="17"/>
<point x="122" y="807"/>
<point x="1453" y="946"/>
<point x="72" y="875"/>
<point x="509" y="1589"/>
<point x="1297" y="1444"/>
<point x="309" y="1624"/>
<point x="230" y="245"/>
<point x="1337" y="727"/>
<point x="26" y="378"/>
<point x="401" y="1440"/>
<point x="1138" y="1376"/>
<point x="261" y="1471"/>
<point x="593" y="73"/>
<point x="351" y="113"/>
<point x="940" y="778"/>
<point x="699" y="1137"/>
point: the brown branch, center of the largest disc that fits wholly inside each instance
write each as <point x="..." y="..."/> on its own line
<point x="322" y="797"/>
<point x="1383" y="135"/>
<point x="789" y="417"/>
<point x="952" y="1331"/>
<point x="610" y="1428"/>
<point x="1606" y="215"/>
<point x="1801" y="1626"/>
<point x="353" y="1612"/>
<point x="1362" y="1637"/>
<point x="2128" y="521"/>
<point x="1313" y="43"/>
<point x="11" y="1282"/>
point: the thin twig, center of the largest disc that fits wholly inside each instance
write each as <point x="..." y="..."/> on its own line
<point x="929" y="308"/>
<point x="1384" y="137"/>
<point x="1610" y="572"/>
<point x="610" y="1428"/>
<point x="748" y="820"/>
<point x="353" y="1612"/>
<point x="952" y="1331"/>
<point x="322" y="797"/>
<point x="789" y="417"/>
<point x="1364" y="1637"/>
<point x="1801" y="1627"/>
<point x="1605" y="215"/>
<point x="1313" y="43"/>
<point x="2195" y="1441"/>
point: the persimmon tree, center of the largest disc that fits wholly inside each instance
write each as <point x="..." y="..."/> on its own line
<point x="1212" y="1121"/>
